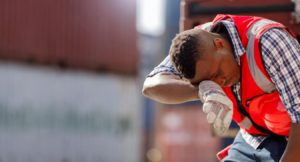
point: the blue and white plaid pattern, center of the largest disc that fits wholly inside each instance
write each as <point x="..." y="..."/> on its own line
<point x="164" y="66"/>
<point x="280" y="53"/>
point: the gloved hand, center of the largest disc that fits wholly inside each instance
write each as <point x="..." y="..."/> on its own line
<point x="216" y="105"/>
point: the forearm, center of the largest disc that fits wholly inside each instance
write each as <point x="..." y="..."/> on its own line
<point x="292" y="151"/>
<point x="169" y="89"/>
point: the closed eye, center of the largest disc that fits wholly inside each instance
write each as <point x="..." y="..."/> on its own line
<point x="194" y="83"/>
<point x="214" y="76"/>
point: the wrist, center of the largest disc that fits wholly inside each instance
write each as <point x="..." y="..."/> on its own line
<point x="195" y="93"/>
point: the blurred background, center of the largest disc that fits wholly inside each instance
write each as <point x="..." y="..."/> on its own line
<point x="71" y="74"/>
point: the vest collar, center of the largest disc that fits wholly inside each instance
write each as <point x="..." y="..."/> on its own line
<point x="236" y="42"/>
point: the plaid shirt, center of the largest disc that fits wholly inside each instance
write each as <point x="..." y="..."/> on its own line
<point x="280" y="54"/>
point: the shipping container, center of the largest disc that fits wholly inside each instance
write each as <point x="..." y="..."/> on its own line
<point x="49" y="115"/>
<point x="85" y="34"/>
<point x="194" y="12"/>
<point x="182" y="134"/>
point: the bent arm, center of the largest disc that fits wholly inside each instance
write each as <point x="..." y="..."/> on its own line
<point x="169" y="89"/>
<point x="291" y="153"/>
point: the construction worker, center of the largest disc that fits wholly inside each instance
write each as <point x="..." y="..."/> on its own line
<point x="243" y="68"/>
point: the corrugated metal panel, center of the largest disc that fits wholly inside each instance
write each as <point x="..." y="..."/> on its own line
<point x="89" y="34"/>
<point x="47" y="115"/>
<point x="183" y="135"/>
<point x="187" y="21"/>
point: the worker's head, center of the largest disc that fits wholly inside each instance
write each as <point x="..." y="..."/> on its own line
<point x="200" y="55"/>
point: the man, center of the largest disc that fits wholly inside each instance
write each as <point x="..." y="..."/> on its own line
<point x="257" y="63"/>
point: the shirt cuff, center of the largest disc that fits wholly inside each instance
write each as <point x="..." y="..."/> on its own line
<point x="294" y="113"/>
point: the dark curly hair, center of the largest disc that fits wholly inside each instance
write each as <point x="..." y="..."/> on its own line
<point x="185" y="51"/>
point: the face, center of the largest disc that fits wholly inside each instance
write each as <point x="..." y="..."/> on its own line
<point x="219" y="65"/>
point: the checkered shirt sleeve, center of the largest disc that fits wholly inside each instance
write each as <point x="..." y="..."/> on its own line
<point x="164" y="66"/>
<point x="281" y="56"/>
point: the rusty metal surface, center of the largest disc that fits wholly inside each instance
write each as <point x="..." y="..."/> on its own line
<point x="285" y="17"/>
<point x="88" y="34"/>
<point x="182" y="134"/>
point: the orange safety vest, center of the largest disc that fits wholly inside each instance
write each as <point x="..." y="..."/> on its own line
<point x="261" y="111"/>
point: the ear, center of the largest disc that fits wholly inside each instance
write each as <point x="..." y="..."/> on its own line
<point x="218" y="43"/>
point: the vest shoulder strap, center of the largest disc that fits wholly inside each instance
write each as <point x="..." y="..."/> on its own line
<point x="253" y="34"/>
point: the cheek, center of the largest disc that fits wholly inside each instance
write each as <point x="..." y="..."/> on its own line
<point x="232" y="70"/>
<point x="239" y="72"/>
<point x="236" y="72"/>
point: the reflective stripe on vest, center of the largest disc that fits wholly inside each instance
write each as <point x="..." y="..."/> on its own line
<point x="260" y="79"/>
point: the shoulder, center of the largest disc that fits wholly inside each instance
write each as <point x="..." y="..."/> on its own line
<point x="277" y="40"/>
<point x="277" y="35"/>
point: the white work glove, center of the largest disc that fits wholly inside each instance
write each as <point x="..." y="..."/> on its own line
<point x="216" y="105"/>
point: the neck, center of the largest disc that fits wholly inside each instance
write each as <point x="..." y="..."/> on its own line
<point x="226" y="37"/>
